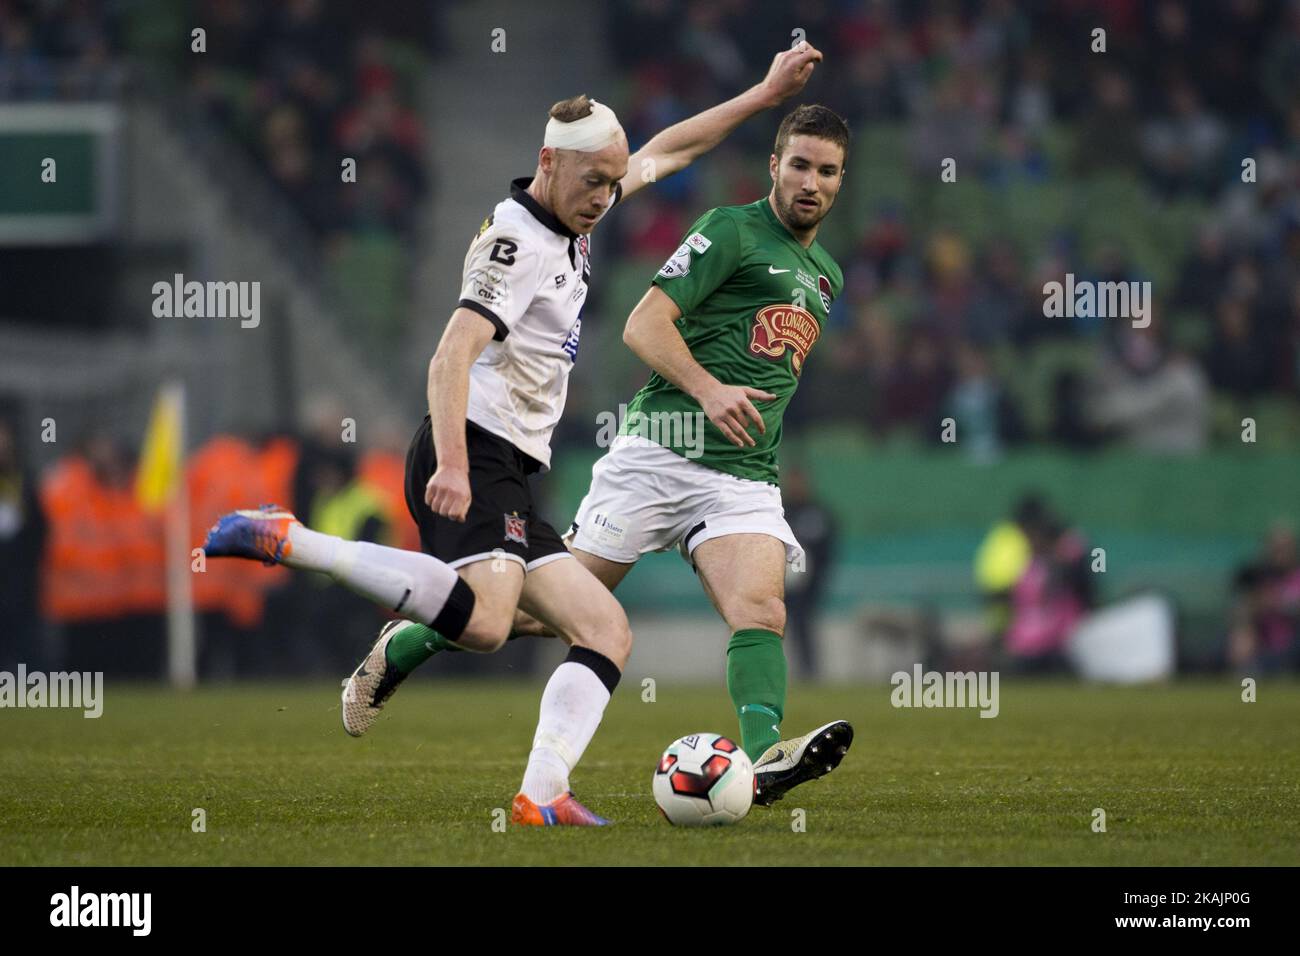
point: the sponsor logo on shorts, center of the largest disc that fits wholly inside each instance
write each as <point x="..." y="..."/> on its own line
<point x="517" y="529"/>
<point x="609" y="528"/>
<point x="777" y="327"/>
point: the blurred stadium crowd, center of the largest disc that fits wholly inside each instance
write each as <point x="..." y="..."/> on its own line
<point x="289" y="81"/>
<point x="1119" y="166"/>
<point x="292" y="83"/>
<point x="58" y="51"/>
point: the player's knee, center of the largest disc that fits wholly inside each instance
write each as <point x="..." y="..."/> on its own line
<point x="484" y="640"/>
<point x="617" y="646"/>
<point x="620" y="642"/>
<point x="486" y="631"/>
<point x="767" y="614"/>
<point x="605" y="631"/>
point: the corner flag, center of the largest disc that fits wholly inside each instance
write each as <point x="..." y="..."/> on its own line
<point x="159" y="471"/>
<point x="160" y="486"/>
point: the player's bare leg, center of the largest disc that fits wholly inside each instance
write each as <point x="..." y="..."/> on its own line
<point x="744" y="577"/>
<point x="609" y="573"/>
<point x="570" y="601"/>
<point x="495" y="583"/>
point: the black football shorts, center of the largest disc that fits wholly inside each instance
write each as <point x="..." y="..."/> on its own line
<point x="501" y="522"/>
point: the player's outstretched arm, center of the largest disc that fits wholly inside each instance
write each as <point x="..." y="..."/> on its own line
<point x="466" y="336"/>
<point x="651" y="333"/>
<point x="679" y="145"/>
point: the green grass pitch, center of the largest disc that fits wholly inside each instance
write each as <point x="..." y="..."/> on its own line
<point x="1186" y="773"/>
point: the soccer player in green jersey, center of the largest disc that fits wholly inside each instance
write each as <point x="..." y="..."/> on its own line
<point x="727" y="325"/>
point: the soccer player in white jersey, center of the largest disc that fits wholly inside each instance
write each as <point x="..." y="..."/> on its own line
<point x="496" y="388"/>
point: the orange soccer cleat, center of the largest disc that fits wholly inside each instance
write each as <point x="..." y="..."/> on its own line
<point x="563" y="811"/>
<point x="261" y="535"/>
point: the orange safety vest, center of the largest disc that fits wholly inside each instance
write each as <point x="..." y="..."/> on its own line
<point x="225" y="474"/>
<point x="104" y="555"/>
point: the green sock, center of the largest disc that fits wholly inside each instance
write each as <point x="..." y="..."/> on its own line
<point x="756" y="682"/>
<point x="414" y="644"/>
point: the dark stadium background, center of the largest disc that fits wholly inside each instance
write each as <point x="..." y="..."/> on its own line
<point x="225" y="165"/>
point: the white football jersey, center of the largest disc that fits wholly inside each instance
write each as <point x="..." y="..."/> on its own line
<point x="527" y="274"/>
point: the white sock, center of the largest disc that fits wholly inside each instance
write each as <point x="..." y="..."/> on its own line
<point x="572" y="705"/>
<point x="410" y="583"/>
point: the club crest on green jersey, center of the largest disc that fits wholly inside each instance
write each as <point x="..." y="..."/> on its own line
<point x="824" y="290"/>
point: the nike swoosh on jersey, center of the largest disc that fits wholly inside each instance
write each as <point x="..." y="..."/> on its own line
<point x="774" y="270"/>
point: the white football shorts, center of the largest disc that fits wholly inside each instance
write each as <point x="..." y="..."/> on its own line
<point x="646" y="498"/>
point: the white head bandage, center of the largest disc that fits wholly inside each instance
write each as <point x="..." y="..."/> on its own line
<point x="593" y="132"/>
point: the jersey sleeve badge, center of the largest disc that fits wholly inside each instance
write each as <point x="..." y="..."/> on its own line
<point x="699" y="242"/>
<point x="678" y="264"/>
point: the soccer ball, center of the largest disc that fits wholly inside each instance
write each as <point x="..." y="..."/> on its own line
<point x="704" y="780"/>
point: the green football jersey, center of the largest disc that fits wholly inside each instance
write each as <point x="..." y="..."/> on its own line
<point x="754" y="302"/>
